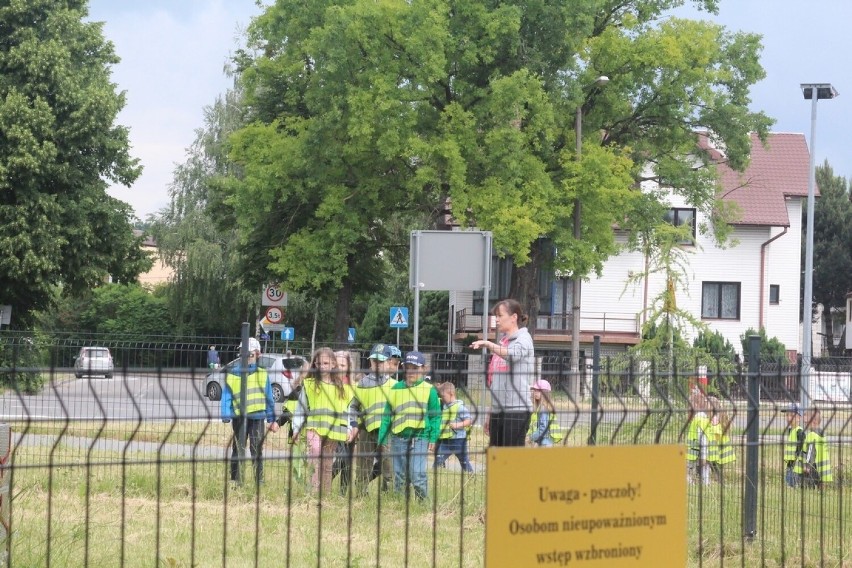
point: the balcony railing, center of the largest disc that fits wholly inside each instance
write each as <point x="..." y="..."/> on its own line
<point x="562" y="324"/>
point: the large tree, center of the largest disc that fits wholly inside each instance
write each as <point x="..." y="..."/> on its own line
<point x="361" y="111"/>
<point x="832" y="242"/>
<point x="59" y="146"/>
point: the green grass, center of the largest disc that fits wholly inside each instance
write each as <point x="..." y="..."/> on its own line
<point x="93" y="507"/>
<point x="149" y="516"/>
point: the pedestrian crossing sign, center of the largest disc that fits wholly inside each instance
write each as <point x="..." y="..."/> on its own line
<point x="350" y="337"/>
<point x="398" y="317"/>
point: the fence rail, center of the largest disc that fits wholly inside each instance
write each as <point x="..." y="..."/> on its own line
<point x="134" y="470"/>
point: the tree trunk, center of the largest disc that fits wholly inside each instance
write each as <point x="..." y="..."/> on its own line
<point x="341" y="313"/>
<point x="525" y="283"/>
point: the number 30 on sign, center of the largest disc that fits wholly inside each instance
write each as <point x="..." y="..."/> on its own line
<point x="273" y="295"/>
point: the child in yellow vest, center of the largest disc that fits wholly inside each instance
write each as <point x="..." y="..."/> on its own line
<point x="720" y="451"/>
<point x="412" y="420"/>
<point x="697" y="440"/>
<point x="817" y="469"/>
<point x="367" y="410"/>
<point x="544" y="429"/>
<point x="793" y="440"/>
<point x="323" y="411"/>
<point x="455" y="425"/>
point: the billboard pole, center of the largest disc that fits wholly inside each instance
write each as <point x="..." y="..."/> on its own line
<point x="415" y="244"/>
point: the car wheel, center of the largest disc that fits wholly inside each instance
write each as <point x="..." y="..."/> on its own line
<point x="214" y="391"/>
<point x="78" y="375"/>
<point x="277" y="393"/>
<point x="108" y="375"/>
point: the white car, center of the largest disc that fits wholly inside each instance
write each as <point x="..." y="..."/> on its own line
<point x="93" y="361"/>
<point x="285" y="373"/>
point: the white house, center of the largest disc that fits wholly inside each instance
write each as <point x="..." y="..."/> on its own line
<point x="751" y="283"/>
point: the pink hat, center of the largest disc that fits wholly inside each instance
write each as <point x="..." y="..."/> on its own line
<point x="541" y="385"/>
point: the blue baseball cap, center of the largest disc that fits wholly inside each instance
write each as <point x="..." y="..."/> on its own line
<point x="395" y="352"/>
<point x="415" y="358"/>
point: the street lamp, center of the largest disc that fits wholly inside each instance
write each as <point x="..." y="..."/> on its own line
<point x="577" y="281"/>
<point x="812" y="92"/>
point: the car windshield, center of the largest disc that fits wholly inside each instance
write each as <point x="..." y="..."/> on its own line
<point x="293" y="363"/>
<point x="96" y="353"/>
<point x="263" y="363"/>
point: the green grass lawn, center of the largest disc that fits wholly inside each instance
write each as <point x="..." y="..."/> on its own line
<point x="97" y="508"/>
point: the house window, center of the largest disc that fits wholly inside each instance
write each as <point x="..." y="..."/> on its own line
<point x="502" y="271"/>
<point x="720" y="300"/>
<point x="678" y="217"/>
<point x="774" y="294"/>
<point x="501" y="281"/>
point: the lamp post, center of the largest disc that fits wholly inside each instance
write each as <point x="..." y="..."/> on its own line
<point x="812" y="92"/>
<point x="577" y="280"/>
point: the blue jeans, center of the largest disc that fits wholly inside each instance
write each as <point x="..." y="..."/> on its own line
<point x="409" y="464"/>
<point x="792" y="478"/>
<point x="453" y="447"/>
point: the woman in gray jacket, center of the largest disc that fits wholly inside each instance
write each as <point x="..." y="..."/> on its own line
<point x="511" y="371"/>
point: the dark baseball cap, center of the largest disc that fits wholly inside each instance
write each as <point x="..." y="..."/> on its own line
<point x="794" y="408"/>
<point x="415" y="358"/>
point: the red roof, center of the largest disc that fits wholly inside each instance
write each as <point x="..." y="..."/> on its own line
<point x="776" y="171"/>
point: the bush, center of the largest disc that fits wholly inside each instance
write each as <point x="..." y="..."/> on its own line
<point x="714" y="343"/>
<point x="21" y="352"/>
<point x="771" y="349"/>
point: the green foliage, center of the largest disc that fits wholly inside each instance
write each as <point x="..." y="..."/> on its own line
<point x="21" y="354"/>
<point x="359" y="114"/>
<point x="667" y="257"/>
<point x="59" y="147"/>
<point x="771" y="349"/>
<point x="125" y="310"/>
<point x="832" y="241"/>
<point x="434" y="326"/>
<point x="715" y="343"/>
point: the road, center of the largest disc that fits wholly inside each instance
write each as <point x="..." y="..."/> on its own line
<point x="131" y="397"/>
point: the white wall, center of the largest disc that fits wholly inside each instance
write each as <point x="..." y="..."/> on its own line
<point x="738" y="262"/>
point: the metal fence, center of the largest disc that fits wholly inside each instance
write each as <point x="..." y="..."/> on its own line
<point x="134" y="470"/>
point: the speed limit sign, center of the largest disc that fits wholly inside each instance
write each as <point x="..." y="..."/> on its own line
<point x="273" y="295"/>
<point x="275" y="314"/>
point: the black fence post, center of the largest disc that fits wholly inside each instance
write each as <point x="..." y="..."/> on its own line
<point x="242" y="433"/>
<point x="752" y="439"/>
<point x="596" y="390"/>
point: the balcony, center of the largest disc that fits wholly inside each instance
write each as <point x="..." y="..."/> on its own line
<point x="615" y="326"/>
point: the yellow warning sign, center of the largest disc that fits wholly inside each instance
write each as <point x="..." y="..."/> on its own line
<point x="605" y="506"/>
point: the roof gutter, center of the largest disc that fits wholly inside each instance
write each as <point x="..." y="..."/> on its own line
<point x="763" y="271"/>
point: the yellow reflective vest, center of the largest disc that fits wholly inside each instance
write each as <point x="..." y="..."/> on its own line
<point x="554" y="428"/>
<point x="818" y="447"/>
<point x="373" y="400"/>
<point x="409" y="406"/>
<point x="720" y="449"/>
<point x="327" y="410"/>
<point x="255" y="391"/>
<point x="793" y="449"/>
<point x="449" y="415"/>
<point x="698" y="427"/>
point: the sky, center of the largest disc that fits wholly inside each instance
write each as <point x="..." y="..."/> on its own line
<point x="173" y="55"/>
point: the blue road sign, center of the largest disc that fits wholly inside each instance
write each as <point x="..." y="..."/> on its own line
<point x="398" y="317"/>
<point x="350" y="337"/>
<point x="288" y="334"/>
